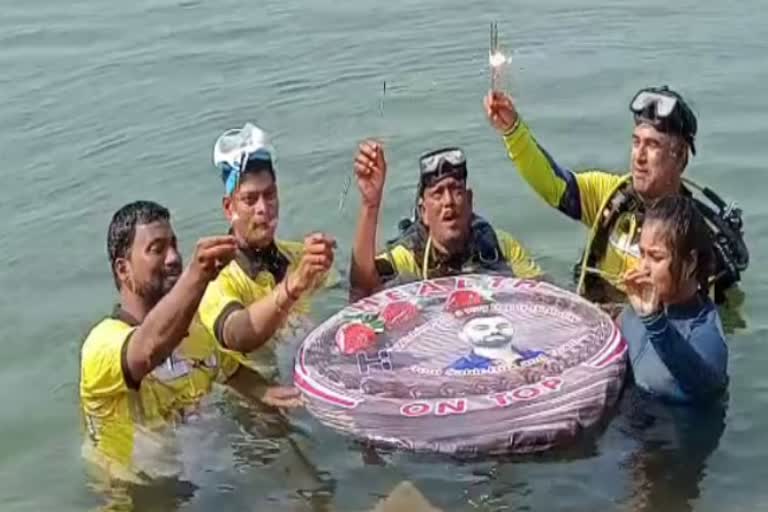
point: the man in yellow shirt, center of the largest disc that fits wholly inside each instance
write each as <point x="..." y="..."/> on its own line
<point x="147" y="366"/>
<point x="261" y="293"/>
<point x="446" y="237"/>
<point x="611" y="205"/>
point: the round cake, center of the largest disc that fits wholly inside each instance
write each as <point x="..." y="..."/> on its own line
<point x="464" y="365"/>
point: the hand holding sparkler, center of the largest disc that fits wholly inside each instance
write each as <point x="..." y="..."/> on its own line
<point x="501" y="111"/>
<point x="499" y="108"/>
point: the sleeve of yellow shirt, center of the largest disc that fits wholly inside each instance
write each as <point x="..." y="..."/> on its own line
<point x="518" y="258"/>
<point x="397" y="261"/>
<point x="101" y="367"/>
<point x="578" y="195"/>
<point x="220" y="299"/>
<point x="233" y="290"/>
<point x="205" y="344"/>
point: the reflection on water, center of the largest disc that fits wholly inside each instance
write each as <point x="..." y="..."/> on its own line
<point x="644" y="456"/>
<point x="674" y="445"/>
<point x="732" y="311"/>
<point x="257" y="460"/>
<point x="218" y="454"/>
<point x="405" y="497"/>
<point x="159" y="495"/>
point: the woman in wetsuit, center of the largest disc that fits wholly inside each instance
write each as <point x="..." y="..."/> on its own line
<point x="676" y="344"/>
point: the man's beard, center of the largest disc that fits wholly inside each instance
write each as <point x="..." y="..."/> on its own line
<point x="494" y="342"/>
<point x="156" y="288"/>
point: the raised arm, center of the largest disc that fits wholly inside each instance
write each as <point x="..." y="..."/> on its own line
<point x="370" y="171"/>
<point x="578" y="195"/>
<point x="245" y="328"/>
<point x="167" y="323"/>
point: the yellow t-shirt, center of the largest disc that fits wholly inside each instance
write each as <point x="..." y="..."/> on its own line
<point x="237" y="286"/>
<point x="127" y="425"/>
<point x="405" y="265"/>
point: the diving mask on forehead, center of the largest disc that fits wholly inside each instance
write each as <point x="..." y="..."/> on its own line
<point x="442" y="163"/>
<point x="666" y="111"/>
<point x="242" y="150"/>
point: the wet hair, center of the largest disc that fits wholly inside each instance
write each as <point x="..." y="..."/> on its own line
<point x="122" y="228"/>
<point x="256" y="166"/>
<point x="685" y="232"/>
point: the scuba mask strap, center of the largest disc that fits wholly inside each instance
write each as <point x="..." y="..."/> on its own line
<point x="233" y="178"/>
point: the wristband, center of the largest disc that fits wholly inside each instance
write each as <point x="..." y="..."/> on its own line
<point x="512" y="128"/>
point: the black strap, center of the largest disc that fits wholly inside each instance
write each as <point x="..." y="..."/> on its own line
<point x="129" y="380"/>
<point x="218" y="324"/>
<point x="121" y="315"/>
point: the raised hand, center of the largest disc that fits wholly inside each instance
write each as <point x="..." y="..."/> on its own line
<point x="370" y="171"/>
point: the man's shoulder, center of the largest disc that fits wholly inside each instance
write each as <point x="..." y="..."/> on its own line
<point x="231" y="272"/>
<point x="509" y="244"/>
<point x="107" y="331"/>
<point x="101" y="371"/>
<point x="232" y="280"/>
<point x="397" y="260"/>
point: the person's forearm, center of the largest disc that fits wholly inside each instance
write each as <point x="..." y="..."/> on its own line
<point x="555" y="184"/>
<point x="686" y="365"/>
<point x="364" y="278"/>
<point x="247" y="329"/>
<point x="165" y="326"/>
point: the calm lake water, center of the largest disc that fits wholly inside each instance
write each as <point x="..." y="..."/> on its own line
<point x="104" y="103"/>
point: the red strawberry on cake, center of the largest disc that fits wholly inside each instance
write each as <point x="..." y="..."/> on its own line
<point x="355" y="337"/>
<point x="399" y="314"/>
